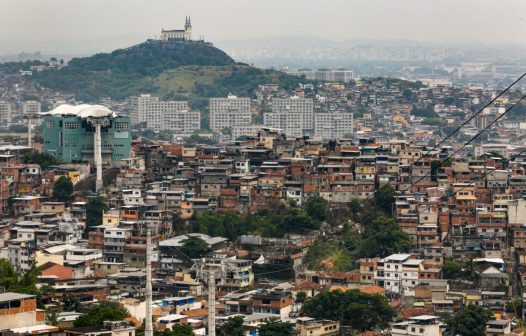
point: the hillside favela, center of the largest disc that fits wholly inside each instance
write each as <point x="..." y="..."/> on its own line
<point x="262" y="168"/>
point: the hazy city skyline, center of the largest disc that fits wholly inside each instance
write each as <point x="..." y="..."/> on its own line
<point x="87" y="26"/>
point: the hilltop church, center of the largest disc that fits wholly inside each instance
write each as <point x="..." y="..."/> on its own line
<point x="178" y="34"/>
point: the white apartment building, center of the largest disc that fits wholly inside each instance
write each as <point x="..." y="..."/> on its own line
<point x="247" y="130"/>
<point x="183" y="122"/>
<point x="399" y="274"/>
<point x="295" y="116"/>
<point x="229" y="112"/>
<point x="165" y="115"/>
<point x="290" y="123"/>
<point x="410" y="274"/>
<point x="339" y="76"/>
<point x="5" y="113"/>
<point x="31" y="107"/>
<point x="423" y="325"/>
<point x="333" y="125"/>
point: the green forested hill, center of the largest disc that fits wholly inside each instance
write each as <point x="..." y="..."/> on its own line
<point x="184" y="70"/>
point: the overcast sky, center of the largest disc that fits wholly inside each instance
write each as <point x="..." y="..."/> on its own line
<point x="29" y="25"/>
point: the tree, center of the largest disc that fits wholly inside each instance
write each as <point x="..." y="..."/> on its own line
<point x="276" y="328"/>
<point x="301" y="296"/>
<point x="231" y="327"/>
<point x="359" y="310"/>
<point x="427" y="112"/>
<point x="104" y="311"/>
<point x="62" y="189"/>
<point x="43" y="159"/>
<point x="451" y="269"/>
<point x="384" y="199"/>
<point x="52" y="317"/>
<point x="470" y="322"/>
<point x="297" y="220"/>
<point x="515" y="306"/>
<point x="382" y="237"/>
<point x="24" y="283"/>
<point x="177" y="330"/>
<point x="95" y="210"/>
<point x="316" y="207"/>
<point x="178" y="224"/>
<point x="408" y="94"/>
<point x="194" y="247"/>
<point x="70" y="302"/>
<point x="16" y="128"/>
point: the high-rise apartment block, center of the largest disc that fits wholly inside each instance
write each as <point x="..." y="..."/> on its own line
<point x="165" y="115"/>
<point x="339" y="76"/>
<point x="229" y="112"/>
<point x="31" y="107"/>
<point x="181" y="122"/>
<point x="248" y="130"/>
<point x="295" y="116"/>
<point x="333" y="125"/>
<point x="5" y="113"/>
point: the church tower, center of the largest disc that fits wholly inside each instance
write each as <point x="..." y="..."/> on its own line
<point x="188" y="29"/>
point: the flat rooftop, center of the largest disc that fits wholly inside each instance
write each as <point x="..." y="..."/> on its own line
<point x="10" y="296"/>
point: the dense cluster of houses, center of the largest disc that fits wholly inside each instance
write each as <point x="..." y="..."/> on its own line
<point x="470" y="211"/>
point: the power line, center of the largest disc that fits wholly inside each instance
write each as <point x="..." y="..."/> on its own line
<point x="477" y="179"/>
<point x="455" y="131"/>
<point x="317" y="259"/>
<point x="466" y="143"/>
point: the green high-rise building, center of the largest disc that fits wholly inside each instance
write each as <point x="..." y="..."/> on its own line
<point x="70" y="137"/>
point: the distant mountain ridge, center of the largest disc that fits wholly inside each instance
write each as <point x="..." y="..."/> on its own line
<point x="188" y="70"/>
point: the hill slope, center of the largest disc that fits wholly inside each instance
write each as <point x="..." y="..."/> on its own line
<point x="122" y="72"/>
<point x="189" y="70"/>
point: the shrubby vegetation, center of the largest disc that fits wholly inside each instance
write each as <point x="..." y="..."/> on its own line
<point x="231" y="327"/>
<point x="276" y="328"/>
<point x="104" y="311"/>
<point x="194" y="247"/>
<point x="62" y="189"/>
<point x="125" y="72"/>
<point x="26" y="283"/>
<point x="15" y="67"/>
<point x="277" y="221"/>
<point x="471" y="321"/>
<point x="95" y="210"/>
<point x="43" y="159"/>
<point x="427" y="112"/>
<point x="148" y="67"/>
<point x="379" y="235"/>
<point x="359" y="310"/>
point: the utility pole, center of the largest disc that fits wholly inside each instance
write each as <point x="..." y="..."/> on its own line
<point x="211" y="303"/>
<point x="29" y="138"/>
<point x="148" y="327"/>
